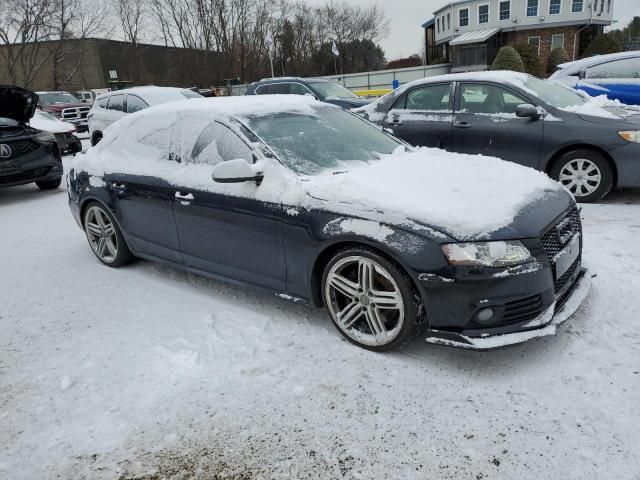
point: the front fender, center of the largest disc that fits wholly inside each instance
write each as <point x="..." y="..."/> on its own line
<point x="311" y="239"/>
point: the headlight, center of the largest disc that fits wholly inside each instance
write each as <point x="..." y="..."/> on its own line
<point x="630" y="135"/>
<point x="487" y="254"/>
<point x="46" y="137"/>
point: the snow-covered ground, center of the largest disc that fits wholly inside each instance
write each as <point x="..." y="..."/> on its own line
<point x="147" y="372"/>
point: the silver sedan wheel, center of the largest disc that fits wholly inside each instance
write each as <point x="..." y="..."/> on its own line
<point x="101" y="234"/>
<point x="364" y="301"/>
<point x="580" y="176"/>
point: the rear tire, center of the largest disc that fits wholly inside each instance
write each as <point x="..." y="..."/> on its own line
<point x="585" y="173"/>
<point x="371" y="301"/>
<point x="104" y="236"/>
<point x="49" y="184"/>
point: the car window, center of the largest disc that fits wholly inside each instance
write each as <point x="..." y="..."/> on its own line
<point x="430" y="97"/>
<point x="115" y="102"/>
<point x="278" y="89"/>
<point x="201" y="140"/>
<point x="625" y="68"/>
<point x="135" y="104"/>
<point x="478" y="98"/>
<point x="298" y="89"/>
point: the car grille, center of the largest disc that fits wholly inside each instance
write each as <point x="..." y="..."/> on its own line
<point x="20" y="148"/>
<point x="75" y="113"/>
<point x="521" y="310"/>
<point x="556" y="238"/>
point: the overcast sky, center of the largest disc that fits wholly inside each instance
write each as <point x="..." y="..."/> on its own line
<point x="406" y="16"/>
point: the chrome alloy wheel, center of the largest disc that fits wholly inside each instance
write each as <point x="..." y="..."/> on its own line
<point x="101" y="234"/>
<point x="580" y="176"/>
<point x="364" y="301"/>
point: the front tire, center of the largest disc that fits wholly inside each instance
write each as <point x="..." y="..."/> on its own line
<point x="370" y="300"/>
<point x="104" y="236"/>
<point x="49" y="184"/>
<point x="585" y="173"/>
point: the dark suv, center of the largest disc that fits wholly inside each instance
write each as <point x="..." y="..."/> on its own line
<point x="324" y="90"/>
<point x="26" y="154"/>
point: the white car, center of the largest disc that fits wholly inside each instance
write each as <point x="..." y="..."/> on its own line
<point x="110" y="107"/>
<point x="63" y="131"/>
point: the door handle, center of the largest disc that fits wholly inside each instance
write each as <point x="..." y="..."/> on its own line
<point x="186" y="197"/>
<point x="462" y="125"/>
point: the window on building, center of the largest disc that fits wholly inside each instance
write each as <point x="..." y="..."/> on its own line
<point x="442" y="20"/>
<point x="557" y="41"/>
<point x="535" y="43"/>
<point x="608" y="6"/>
<point x="448" y="21"/>
<point x="505" y="10"/>
<point x="576" y="6"/>
<point x="483" y="13"/>
<point x="437" y="24"/>
<point x="554" y="7"/>
<point x="532" y="8"/>
<point x="464" y="17"/>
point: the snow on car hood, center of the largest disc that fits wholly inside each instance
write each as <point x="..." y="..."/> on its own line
<point x="603" y="107"/>
<point x="466" y="196"/>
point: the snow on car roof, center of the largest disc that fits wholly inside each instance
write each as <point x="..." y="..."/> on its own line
<point x="573" y="67"/>
<point x="151" y="94"/>
<point x="242" y="106"/>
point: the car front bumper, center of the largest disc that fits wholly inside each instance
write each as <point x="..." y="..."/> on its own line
<point x="543" y="325"/>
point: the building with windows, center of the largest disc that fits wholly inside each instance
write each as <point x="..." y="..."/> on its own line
<point x="469" y="33"/>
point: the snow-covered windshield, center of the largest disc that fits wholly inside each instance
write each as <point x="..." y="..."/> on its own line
<point x="57" y="97"/>
<point x="331" y="89"/>
<point x="329" y="138"/>
<point x="554" y="94"/>
<point x="190" y="94"/>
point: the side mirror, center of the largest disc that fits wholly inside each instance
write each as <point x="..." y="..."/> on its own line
<point x="582" y="74"/>
<point x="526" y="110"/>
<point x="235" y="171"/>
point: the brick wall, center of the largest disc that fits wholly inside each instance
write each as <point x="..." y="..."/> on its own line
<point x="545" y="34"/>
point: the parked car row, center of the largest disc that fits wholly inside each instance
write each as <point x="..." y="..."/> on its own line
<point x="517" y="117"/>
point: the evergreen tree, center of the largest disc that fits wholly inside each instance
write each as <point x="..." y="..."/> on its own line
<point x="508" y="59"/>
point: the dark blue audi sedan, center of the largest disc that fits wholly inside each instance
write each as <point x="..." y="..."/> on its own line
<point x="317" y="205"/>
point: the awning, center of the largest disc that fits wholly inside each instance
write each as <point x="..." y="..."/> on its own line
<point x="474" y="37"/>
<point x="429" y="22"/>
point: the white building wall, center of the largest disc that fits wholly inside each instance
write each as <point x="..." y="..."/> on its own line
<point x="593" y="11"/>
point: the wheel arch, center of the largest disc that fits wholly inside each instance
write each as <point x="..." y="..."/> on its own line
<point x="84" y="204"/>
<point x="582" y="146"/>
<point x="334" y="247"/>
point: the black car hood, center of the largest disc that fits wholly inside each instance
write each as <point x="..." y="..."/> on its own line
<point x="17" y="103"/>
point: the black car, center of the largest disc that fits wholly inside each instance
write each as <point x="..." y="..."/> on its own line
<point x="26" y="154"/>
<point x="517" y="117"/>
<point x="318" y="206"/>
<point x="324" y="90"/>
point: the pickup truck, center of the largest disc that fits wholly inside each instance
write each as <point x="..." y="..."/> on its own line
<point x="66" y="107"/>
